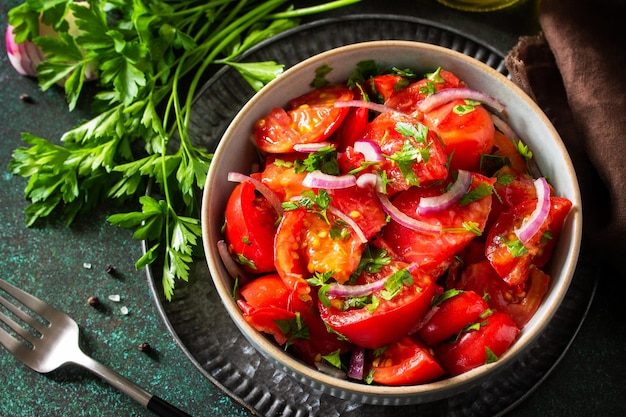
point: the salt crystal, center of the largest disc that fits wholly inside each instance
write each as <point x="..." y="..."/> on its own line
<point x="124" y="310"/>
<point x="115" y="298"/>
<point x="87" y="265"/>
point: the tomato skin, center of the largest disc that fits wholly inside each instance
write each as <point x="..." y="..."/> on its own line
<point x="250" y="228"/>
<point x="451" y="316"/>
<point x="465" y="136"/>
<point x="405" y="362"/>
<point x="515" y="270"/>
<point x="382" y="130"/>
<point x="352" y="127"/>
<point x="430" y="251"/>
<point x="511" y="193"/>
<point x="312" y="118"/>
<point x="391" y="320"/>
<point x="469" y="351"/>
<point x="266" y="291"/>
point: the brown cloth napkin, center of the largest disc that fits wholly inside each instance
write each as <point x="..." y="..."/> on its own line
<point x="576" y="71"/>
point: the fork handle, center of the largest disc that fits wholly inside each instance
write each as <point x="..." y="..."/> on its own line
<point x="163" y="408"/>
<point x="143" y="397"/>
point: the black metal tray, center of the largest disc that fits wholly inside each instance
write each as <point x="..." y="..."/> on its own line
<point x="203" y="329"/>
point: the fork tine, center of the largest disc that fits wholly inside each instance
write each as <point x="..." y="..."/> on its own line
<point x="33" y="303"/>
<point x="17" y="328"/>
<point x="28" y="319"/>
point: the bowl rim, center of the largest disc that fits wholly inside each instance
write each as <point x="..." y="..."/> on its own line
<point x="373" y="393"/>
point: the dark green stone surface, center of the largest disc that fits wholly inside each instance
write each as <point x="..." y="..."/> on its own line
<point x="51" y="262"/>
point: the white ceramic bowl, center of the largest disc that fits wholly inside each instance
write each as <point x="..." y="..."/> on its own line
<point x="236" y="153"/>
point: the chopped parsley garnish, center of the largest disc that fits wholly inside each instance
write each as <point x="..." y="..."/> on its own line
<point x="363" y="72"/>
<point x="468" y="107"/>
<point x="313" y="203"/>
<point x="334" y="358"/>
<point x="324" y="159"/>
<point x="516" y="247"/>
<point x="320" y="76"/>
<point x="483" y="190"/>
<point x="395" y="283"/>
<point x="245" y="261"/>
<point x="524" y="150"/>
<point x="293" y="329"/>
<point x="490" y="356"/>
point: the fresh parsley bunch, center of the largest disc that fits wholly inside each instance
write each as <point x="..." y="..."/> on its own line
<point x="150" y="57"/>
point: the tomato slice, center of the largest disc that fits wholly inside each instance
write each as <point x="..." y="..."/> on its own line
<point x="504" y="147"/>
<point x="384" y="130"/>
<point x="431" y="251"/>
<point x="361" y="205"/>
<point x="267" y="319"/>
<point x="306" y="244"/>
<point x="266" y="291"/>
<point x="520" y="302"/>
<point x="406" y="362"/>
<point x="312" y="118"/>
<point x="406" y="99"/>
<point x="466" y="134"/>
<point x="388" y="321"/>
<point x="281" y="177"/>
<point x="512" y="188"/>
<point x="495" y="333"/>
<point x="250" y="228"/>
<point x="386" y="85"/>
<point x="451" y="316"/>
<point x="514" y="265"/>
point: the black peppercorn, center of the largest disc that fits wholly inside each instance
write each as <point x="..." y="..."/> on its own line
<point x="93" y="301"/>
<point x="144" y="347"/>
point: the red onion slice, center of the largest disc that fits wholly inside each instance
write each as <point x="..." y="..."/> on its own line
<point x="356" y="369"/>
<point x="229" y="263"/>
<point x="370" y="150"/>
<point x="311" y="147"/>
<point x="435" y="204"/>
<point x="318" y="179"/>
<point x="449" y="94"/>
<point x="380" y="108"/>
<point x="407" y="221"/>
<point x="357" y="230"/>
<point x="531" y="226"/>
<point x="369" y="179"/>
<point x="345" y="291"/>
<point x="266" y="191"/>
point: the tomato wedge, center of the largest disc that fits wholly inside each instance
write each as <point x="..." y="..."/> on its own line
<point x="474" y="348"/>
<point x="451" y="316"/>
<point x="281" y="177"/>
<point x="250" y="228"/>
<point x="467" y="134"/>
<point x="269" y="307"/>
<point x="430" y="251"/>
<point x="305" y="244"/>
<point x="388" y="321"/>
<point x="312" y="118"/>
<point x="397" y="144"/>
<point x="407" y="361"/>
<point x="514" y="262"/>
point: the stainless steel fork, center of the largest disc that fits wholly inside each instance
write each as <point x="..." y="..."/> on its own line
<point x="45" y="339"/>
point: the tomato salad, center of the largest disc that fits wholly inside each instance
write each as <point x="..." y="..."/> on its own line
<point x="393" y="232"/>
